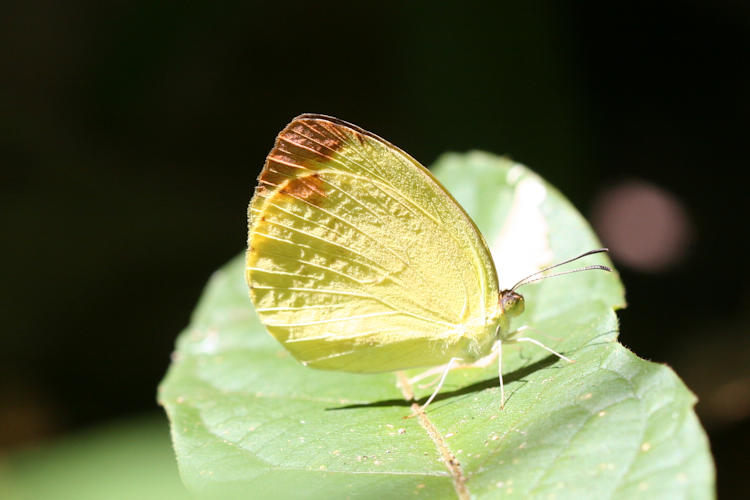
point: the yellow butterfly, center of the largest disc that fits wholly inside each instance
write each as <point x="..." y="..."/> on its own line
<point x="359" y="260"/>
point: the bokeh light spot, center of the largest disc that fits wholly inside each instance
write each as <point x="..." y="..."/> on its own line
<point x="645" y="227"/>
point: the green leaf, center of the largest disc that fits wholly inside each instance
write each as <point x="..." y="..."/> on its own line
<point x="247" y="419"/>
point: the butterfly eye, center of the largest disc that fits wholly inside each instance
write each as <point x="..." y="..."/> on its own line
<point x="513" y="303"/>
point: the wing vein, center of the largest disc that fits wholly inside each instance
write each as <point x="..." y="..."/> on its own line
<point x="387" y="247"/>
<point x="360" y="295"/>
<point x="336" y="320"/>
<point x="330" y="242"/>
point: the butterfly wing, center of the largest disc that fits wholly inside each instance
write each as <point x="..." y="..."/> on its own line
<point x="359" y="260"/>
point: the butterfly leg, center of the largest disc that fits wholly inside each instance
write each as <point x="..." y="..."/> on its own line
<point x="437" y="370"/>
<point x="511" y="338"/>
<point x="536" y="342"/>
<point x="440" y="384"/>
<point x="497" y="352"/>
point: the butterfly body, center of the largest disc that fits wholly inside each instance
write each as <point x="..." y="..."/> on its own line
<point x="359" y="260"/>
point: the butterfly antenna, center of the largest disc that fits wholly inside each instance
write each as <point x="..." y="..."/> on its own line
<point x="536" y="276"/>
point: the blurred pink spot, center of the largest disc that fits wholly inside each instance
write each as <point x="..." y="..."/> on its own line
<point x="644" y="226"/>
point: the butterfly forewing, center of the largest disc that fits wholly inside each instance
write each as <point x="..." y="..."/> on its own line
<point x="359" y="260"/>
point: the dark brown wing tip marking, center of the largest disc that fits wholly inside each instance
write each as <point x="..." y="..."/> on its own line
<point x="307" y="143"/>
<point x="355" y="131"/>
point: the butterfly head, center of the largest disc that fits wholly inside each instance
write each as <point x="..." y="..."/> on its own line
<point x="511" y="303"/>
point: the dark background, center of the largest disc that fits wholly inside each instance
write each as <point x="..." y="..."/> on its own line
<point x="131" y="135"/>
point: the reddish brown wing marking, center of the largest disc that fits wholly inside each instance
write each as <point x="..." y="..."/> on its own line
<point x="305" y="144"/>
<point x="308" y="188"/>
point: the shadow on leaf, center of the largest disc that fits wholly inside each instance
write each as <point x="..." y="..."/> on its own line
<point x="475" y="387"/>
